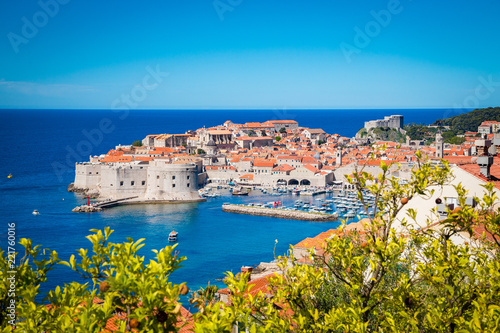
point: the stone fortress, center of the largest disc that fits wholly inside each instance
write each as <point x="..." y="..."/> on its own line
<point x="157" y="180"/>
<point x="394" y="121"/>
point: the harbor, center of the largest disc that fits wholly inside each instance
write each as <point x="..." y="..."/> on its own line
<point x="280" y="213"/>
<point x="329" y="201"/>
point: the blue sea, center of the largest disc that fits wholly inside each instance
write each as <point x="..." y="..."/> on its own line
<point x="40" y="147"/>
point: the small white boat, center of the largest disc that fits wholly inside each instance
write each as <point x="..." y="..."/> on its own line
<point x="35" y="212"/>
<point x="172" y="236"/>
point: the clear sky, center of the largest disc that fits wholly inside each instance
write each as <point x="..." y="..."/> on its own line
<point x="249" y="54"/>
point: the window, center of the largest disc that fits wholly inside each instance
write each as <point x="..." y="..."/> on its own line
<point x="97" y="173"/>
<point x="187" y="177"/>
<point x="173" y="185"/>
<point x="143" y="182"/>
<point x="158" y="177"/>
<point x="173" y="177"/>
<point x="121" y="183"/>
<point x="188" y="185"/>
<point x="90" y="173"/>
<point x="132" y="183"/>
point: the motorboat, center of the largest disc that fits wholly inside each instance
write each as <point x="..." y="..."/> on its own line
<point x="240" y="191"/>
<point x="172" y="236"/>
<point x="350" y="214"/>
<point x="35" y="212"/>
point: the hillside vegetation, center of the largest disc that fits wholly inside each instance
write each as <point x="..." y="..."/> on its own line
<point x="470" y="121"/>
<point x="467" y="122"/>
<point x="382" y="134"/>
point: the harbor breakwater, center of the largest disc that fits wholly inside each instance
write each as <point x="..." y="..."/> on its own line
<point x="280" y="213"/>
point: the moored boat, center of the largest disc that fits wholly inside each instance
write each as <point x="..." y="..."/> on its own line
<point x="172" y="236"/>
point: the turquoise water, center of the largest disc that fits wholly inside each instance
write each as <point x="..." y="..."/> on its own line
<point x="39" y="147"/>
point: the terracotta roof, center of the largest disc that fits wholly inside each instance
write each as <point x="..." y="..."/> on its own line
<point x="315" y="130"/>
<point x="263" y="164"/>
<point x="284" y="167"/>
<point x="311" y="168"/>
<point x="258" y="285"/>
<point x="283" y="121"/>
<point x="473" y="169"/>
<point x="220" y="132"/>
<point x="253" y="138"/>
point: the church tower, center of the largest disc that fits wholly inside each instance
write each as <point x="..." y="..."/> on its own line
<point x="439" y="145"/>
<point x="338" y="160"/>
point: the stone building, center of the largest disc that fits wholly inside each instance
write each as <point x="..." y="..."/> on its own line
<point x="394" y="121"/>
<point x="286" y="124"/>
<point x="158" y="180"/>
<point x="439" y="145"/>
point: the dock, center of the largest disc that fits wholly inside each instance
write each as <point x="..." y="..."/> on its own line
<point x="313" y="193"/>
<point x="280" y="213"/>
<point x="112" y="203"/>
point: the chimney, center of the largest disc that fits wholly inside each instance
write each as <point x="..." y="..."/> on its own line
<point x="247" y="269"/>
<point x="483" y="159"/>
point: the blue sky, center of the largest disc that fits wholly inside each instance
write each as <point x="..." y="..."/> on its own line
<point x="249" y="54"/>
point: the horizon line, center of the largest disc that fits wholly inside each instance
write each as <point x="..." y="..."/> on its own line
<point x="250" y="109"/>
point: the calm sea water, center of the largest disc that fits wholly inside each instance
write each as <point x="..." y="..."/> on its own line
<point x="40" y="147"/>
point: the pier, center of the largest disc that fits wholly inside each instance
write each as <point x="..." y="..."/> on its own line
<point x="280" y="213"/>
<point x="112" y="203"/>
<point x="98" y="206"/>
<point x="313" y="193"/>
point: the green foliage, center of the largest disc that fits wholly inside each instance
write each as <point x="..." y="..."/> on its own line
<point x="137" y="143"/>
<point x="263" y="133"/>
<point x="362" y="132"/>
<point x="469" y="122"/>
<point x="320" y="142"/>
<point x="278" y="138"/>
<point x="381" y="280"/>
<point x="252" y="133"/>
<point x="420" y="132"/>
<point x="200" y="151"/>
<point x="282" y="130"/>
<point x="455" y="140"/>
<point x="130" y="282"/>
<point x="386" y="134"/>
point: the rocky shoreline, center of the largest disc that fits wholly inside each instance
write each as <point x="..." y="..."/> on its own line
<point x="86" y="192"/>
<point x="280" y="213"/>
<point x="86" y="209"/>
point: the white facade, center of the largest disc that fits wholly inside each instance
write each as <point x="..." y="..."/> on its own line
<point x="158" y="180"/>
<point x="88" y="175"/>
